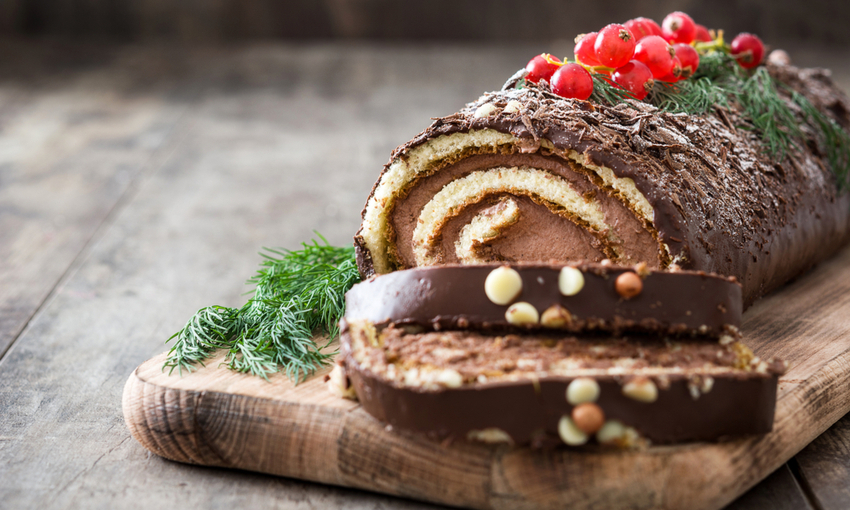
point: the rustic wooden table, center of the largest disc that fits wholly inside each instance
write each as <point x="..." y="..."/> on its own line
<point x="137" y="185"/>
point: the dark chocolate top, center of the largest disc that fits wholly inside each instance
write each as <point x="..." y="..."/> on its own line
<point x="721" y="205"/>
<point x="683" y="302"/>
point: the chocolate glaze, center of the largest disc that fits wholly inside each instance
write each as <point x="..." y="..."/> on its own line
<point x="739" y="402"/>
<point x="720" y="204"/>
<point x="453" y="297"/>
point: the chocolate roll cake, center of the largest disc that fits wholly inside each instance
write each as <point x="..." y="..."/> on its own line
<point x="545" y="389"/>
<point x="523" y="175"/>
<point x="580" y="298"/>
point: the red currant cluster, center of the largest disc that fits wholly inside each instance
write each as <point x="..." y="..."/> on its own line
<point x="632" y="56"/>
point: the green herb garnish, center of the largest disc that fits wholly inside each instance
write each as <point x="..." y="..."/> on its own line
<point x="298" y="295"/>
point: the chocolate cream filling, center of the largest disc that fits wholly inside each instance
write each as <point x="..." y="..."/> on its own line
<point x="539" y="230"/>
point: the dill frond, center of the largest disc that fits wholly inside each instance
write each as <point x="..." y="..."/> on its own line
<point x="298" y="295"/>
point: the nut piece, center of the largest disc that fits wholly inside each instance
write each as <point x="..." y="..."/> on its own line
<point x="569" y="433"/>
<point x="588" y="417"/>
<point x="628" y="285"/>
<point x="485" y="110"/>
<point x="491" y="436"/>
<point x="641" y="389"/>
<point x="612" y="432"/>
<point x="556" y="316"/>
<point x="582" y="390"/>
<point x="513" y="106"/>
<point x="503" y="285"/>
<point x="570" y="281"/>
<point x="339" y="384"/>
<point x="522" y="313"/>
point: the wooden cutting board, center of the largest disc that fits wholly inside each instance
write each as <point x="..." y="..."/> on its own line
<point x="216" y="417"/>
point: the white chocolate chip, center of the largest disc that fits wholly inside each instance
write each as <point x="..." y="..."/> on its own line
<point x="569" y="433"/>
<point x="570" y="281"/>
<point x="522" y="313"/>
<point x="611" y="432"/>
<point x="582" y="390"/>
<point x="503" y="285"/>
<point x="485" y="110"/>
<point x="707" y="384"/>
<point x="642" y="390"/>
<point x="513" y="106"/>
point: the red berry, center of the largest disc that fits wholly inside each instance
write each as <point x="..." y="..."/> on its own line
<point x="657" y="54"/>
<point x="688" y="59"/>
<point x="675" y="74"/>
<point x="542" y="67"/>
<point x="748" y="50"/>
<point x="614" y="46"/>
<point x="642" y="27"/>
<point x="635" y="77"/>
<point x="702" y="34"/>
<point x="572" y="81"/>
<point x="584" y="51"/>
<point x="678" y="27"/>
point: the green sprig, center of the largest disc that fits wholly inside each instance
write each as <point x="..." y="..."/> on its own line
<point x="299" y="295"/>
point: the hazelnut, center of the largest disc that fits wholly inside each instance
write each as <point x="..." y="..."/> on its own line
<point x="569" y="433"/>
<point x="503" y="285"/>
<point x="556" y="316"/>
<point x="513" y="106"/>
<point x="628" y="285"/>
<point x="582" y="390"/>
<point x="588" y="417"/>
<point x="641" y="389"/>
<point x="522" y="313"/>
<point x="611" y="432"/>
<point x="570" y="281"/>
<point x="485" y="110"/>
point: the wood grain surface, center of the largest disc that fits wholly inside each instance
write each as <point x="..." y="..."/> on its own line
<point x="137" y="184"/>
<point x="220" y="418"/>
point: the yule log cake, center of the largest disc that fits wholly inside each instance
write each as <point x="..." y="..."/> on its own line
<point x="524" y="175"/>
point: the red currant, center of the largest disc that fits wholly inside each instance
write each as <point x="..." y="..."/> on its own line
<point x="572" y="81"/>
<point x="676" y="74"/>
<point x="702" y="34"/>
<point x="748" y="50"/>
<point x="678" y="27"/>
<point x="542" y="67"/>
<point x="657" y="54"/>
<point x="584" y="49"/>
<point x="635" y="77"/>
<point x="642" y="27"/>
<point x="614" y="46"/>
<point x="688" y="59"/>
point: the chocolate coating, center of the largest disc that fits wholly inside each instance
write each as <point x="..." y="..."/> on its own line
<point x="683" y="302"/>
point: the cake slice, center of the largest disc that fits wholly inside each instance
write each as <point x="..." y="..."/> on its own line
<point x="543" y="389"/>
<point x="574" y="298"/>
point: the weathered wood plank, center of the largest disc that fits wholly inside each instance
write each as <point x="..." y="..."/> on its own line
<point x="779" y="491"/>
<point x="273" y="142"/>
<point x="824" y="467"/>
<point x="70" y="151"/>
